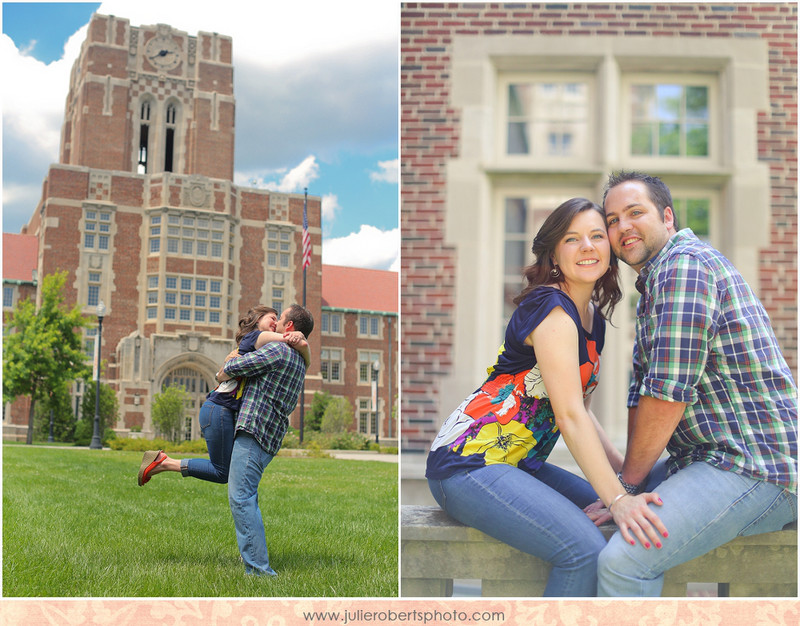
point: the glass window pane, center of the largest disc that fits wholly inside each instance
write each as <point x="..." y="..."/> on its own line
<point x="669" y="102"/>
<point x="669" y="139"/>
<point x="696" y="140"/>
<point x="697" y="217"/>
<point x="642" y="139"/>
<point x="518" y="138"/>
<point x="516" y="214"/>
<point x="517" y="94"/>
<point x="515" y="252"/>
<point x="697" y="102"/>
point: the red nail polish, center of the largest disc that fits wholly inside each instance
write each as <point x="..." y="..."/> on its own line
<point x="666" y="535"/>
<point x="633" y="543"/>
<point x="647" y="545"/>
<point x="658" y="545"/>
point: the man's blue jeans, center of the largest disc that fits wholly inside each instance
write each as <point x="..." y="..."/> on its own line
<point x="704" y="508"/>
<point x="218" y="426"/>
<point x="540" y="515"/>
<point x="248" y="462"/>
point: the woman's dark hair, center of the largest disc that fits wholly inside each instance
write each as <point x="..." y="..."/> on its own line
<point x="606" y="292"/>
<point x="249" y="321"/>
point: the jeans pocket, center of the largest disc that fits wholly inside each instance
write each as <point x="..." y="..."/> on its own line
<point x="438" y="492"/>
<point x="205" y="417"/>
<point x="781" y="511"/>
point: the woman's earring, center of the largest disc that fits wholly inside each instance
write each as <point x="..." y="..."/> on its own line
<point x="555" y="272"/>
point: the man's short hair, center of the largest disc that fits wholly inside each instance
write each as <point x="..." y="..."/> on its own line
<point x="301" y="318"/>
<point x="657" y="189"/>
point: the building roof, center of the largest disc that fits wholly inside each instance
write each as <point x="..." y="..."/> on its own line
<point x="359" y="289"/>
<point x="20" y="257"/>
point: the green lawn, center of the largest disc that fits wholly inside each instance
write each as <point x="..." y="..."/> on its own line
<point x="75" y="523"/>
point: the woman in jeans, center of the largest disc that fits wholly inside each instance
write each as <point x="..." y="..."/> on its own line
<point x="487" y="467"/>
<point x="218" y="414"/>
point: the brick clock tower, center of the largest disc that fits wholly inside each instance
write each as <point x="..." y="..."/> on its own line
<point x="142" y="213"/>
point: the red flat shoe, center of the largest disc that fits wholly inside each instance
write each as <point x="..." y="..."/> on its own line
<point x="150" y="460"/>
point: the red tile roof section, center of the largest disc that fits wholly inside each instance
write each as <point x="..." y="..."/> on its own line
<point x="20" y="256"/>
<point x="361" y="289"/>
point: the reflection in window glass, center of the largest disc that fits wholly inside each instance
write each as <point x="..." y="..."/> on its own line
<point x="547" y="119"/>
<point x="669" y="120"/>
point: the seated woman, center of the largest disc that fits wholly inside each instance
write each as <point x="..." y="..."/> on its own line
<point x="218" y="414"/>
<point x="487" y="467"/>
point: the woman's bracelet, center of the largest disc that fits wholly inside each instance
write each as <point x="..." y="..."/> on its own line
<point x="614" y="501"/>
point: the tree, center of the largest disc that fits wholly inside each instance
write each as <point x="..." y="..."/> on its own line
<point x="42" y="349"/>
<point x="168" y="410"/>
<point x="58" y="404"/>
<point x="109" y="413"/>
<point x="338" y="416"/>
<point x="319" y="403"/>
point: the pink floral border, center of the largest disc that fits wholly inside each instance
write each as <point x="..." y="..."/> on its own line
<point x="305" y="612"/>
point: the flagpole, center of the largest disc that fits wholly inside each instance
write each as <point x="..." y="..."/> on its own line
<point x="306" y="261"/>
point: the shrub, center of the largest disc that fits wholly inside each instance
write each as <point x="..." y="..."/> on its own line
<point x="338" y="416"/>
<point x="291" y="440"/>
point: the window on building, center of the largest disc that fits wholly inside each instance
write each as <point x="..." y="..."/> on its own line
<point x="695" y="213"/>
<point x="332" y="323"/>
<point x="8" y="297"/>
<point x="194" y="236"/>
<point x="144" y="131"/>
<point x="365" y="360"/>
<point x="279" y="245"/>
<point x="187" y="298"/>
<point x="169" y="142"/>
<point x="366" y="417"/>
<point x="332" y="365"/>
<point x="669" y="119"/>
<point x="97" y="229"/>
<point x="547" y="117"/>
<point x="93" y="289"/>
<point x="369" y="325"/>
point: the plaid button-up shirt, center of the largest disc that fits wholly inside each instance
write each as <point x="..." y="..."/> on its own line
<point x="275" y="375"/>
<point x="703" y="338"/>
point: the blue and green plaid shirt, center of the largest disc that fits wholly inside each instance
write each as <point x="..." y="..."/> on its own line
<point x="275" y="375"/>
<point x="703" y="338"/>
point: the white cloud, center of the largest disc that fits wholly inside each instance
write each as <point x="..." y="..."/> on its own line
<point x="369" y="248"/>
<point x="291" y="181"/>
<point x="330" y="207"/>
<point x="389" y="172"/>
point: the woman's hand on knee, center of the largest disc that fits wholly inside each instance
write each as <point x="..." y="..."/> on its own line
<point x="636" y="519"/>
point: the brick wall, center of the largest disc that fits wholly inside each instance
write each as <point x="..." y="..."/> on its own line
<point x="350" y="387"/>
<point x="430" y="136"/>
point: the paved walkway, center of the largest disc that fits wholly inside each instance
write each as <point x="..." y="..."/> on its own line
<point x="351" y="455"/>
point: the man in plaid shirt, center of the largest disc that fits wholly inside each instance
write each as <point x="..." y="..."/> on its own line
<point x="709" y="384"/>
<point x="275" y="376"/>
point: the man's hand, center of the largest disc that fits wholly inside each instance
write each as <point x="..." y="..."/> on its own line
<point x="598" y="513"/>
<point x="232" y="355"/>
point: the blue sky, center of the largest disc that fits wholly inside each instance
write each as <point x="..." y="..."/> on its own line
<point x="316" y="104"/>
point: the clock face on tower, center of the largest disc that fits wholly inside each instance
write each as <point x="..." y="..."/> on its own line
<point x="163" y="52"/>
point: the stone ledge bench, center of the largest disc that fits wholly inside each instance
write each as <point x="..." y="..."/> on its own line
<point x="435" y="549"/>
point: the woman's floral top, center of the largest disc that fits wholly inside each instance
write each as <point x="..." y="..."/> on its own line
<point x="509" y="418"/>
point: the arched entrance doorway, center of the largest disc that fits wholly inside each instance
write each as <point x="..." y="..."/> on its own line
<point x="196" y="386"/>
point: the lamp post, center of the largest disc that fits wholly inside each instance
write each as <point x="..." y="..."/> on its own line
<point x="376" y="366"/>
<point x="96" y="443"/>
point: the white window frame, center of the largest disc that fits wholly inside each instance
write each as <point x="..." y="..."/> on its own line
<point x="504" y="80"/>
<point x="689" y="79"/>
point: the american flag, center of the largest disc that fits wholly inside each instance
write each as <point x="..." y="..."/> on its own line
<point x="306" y="236"/>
